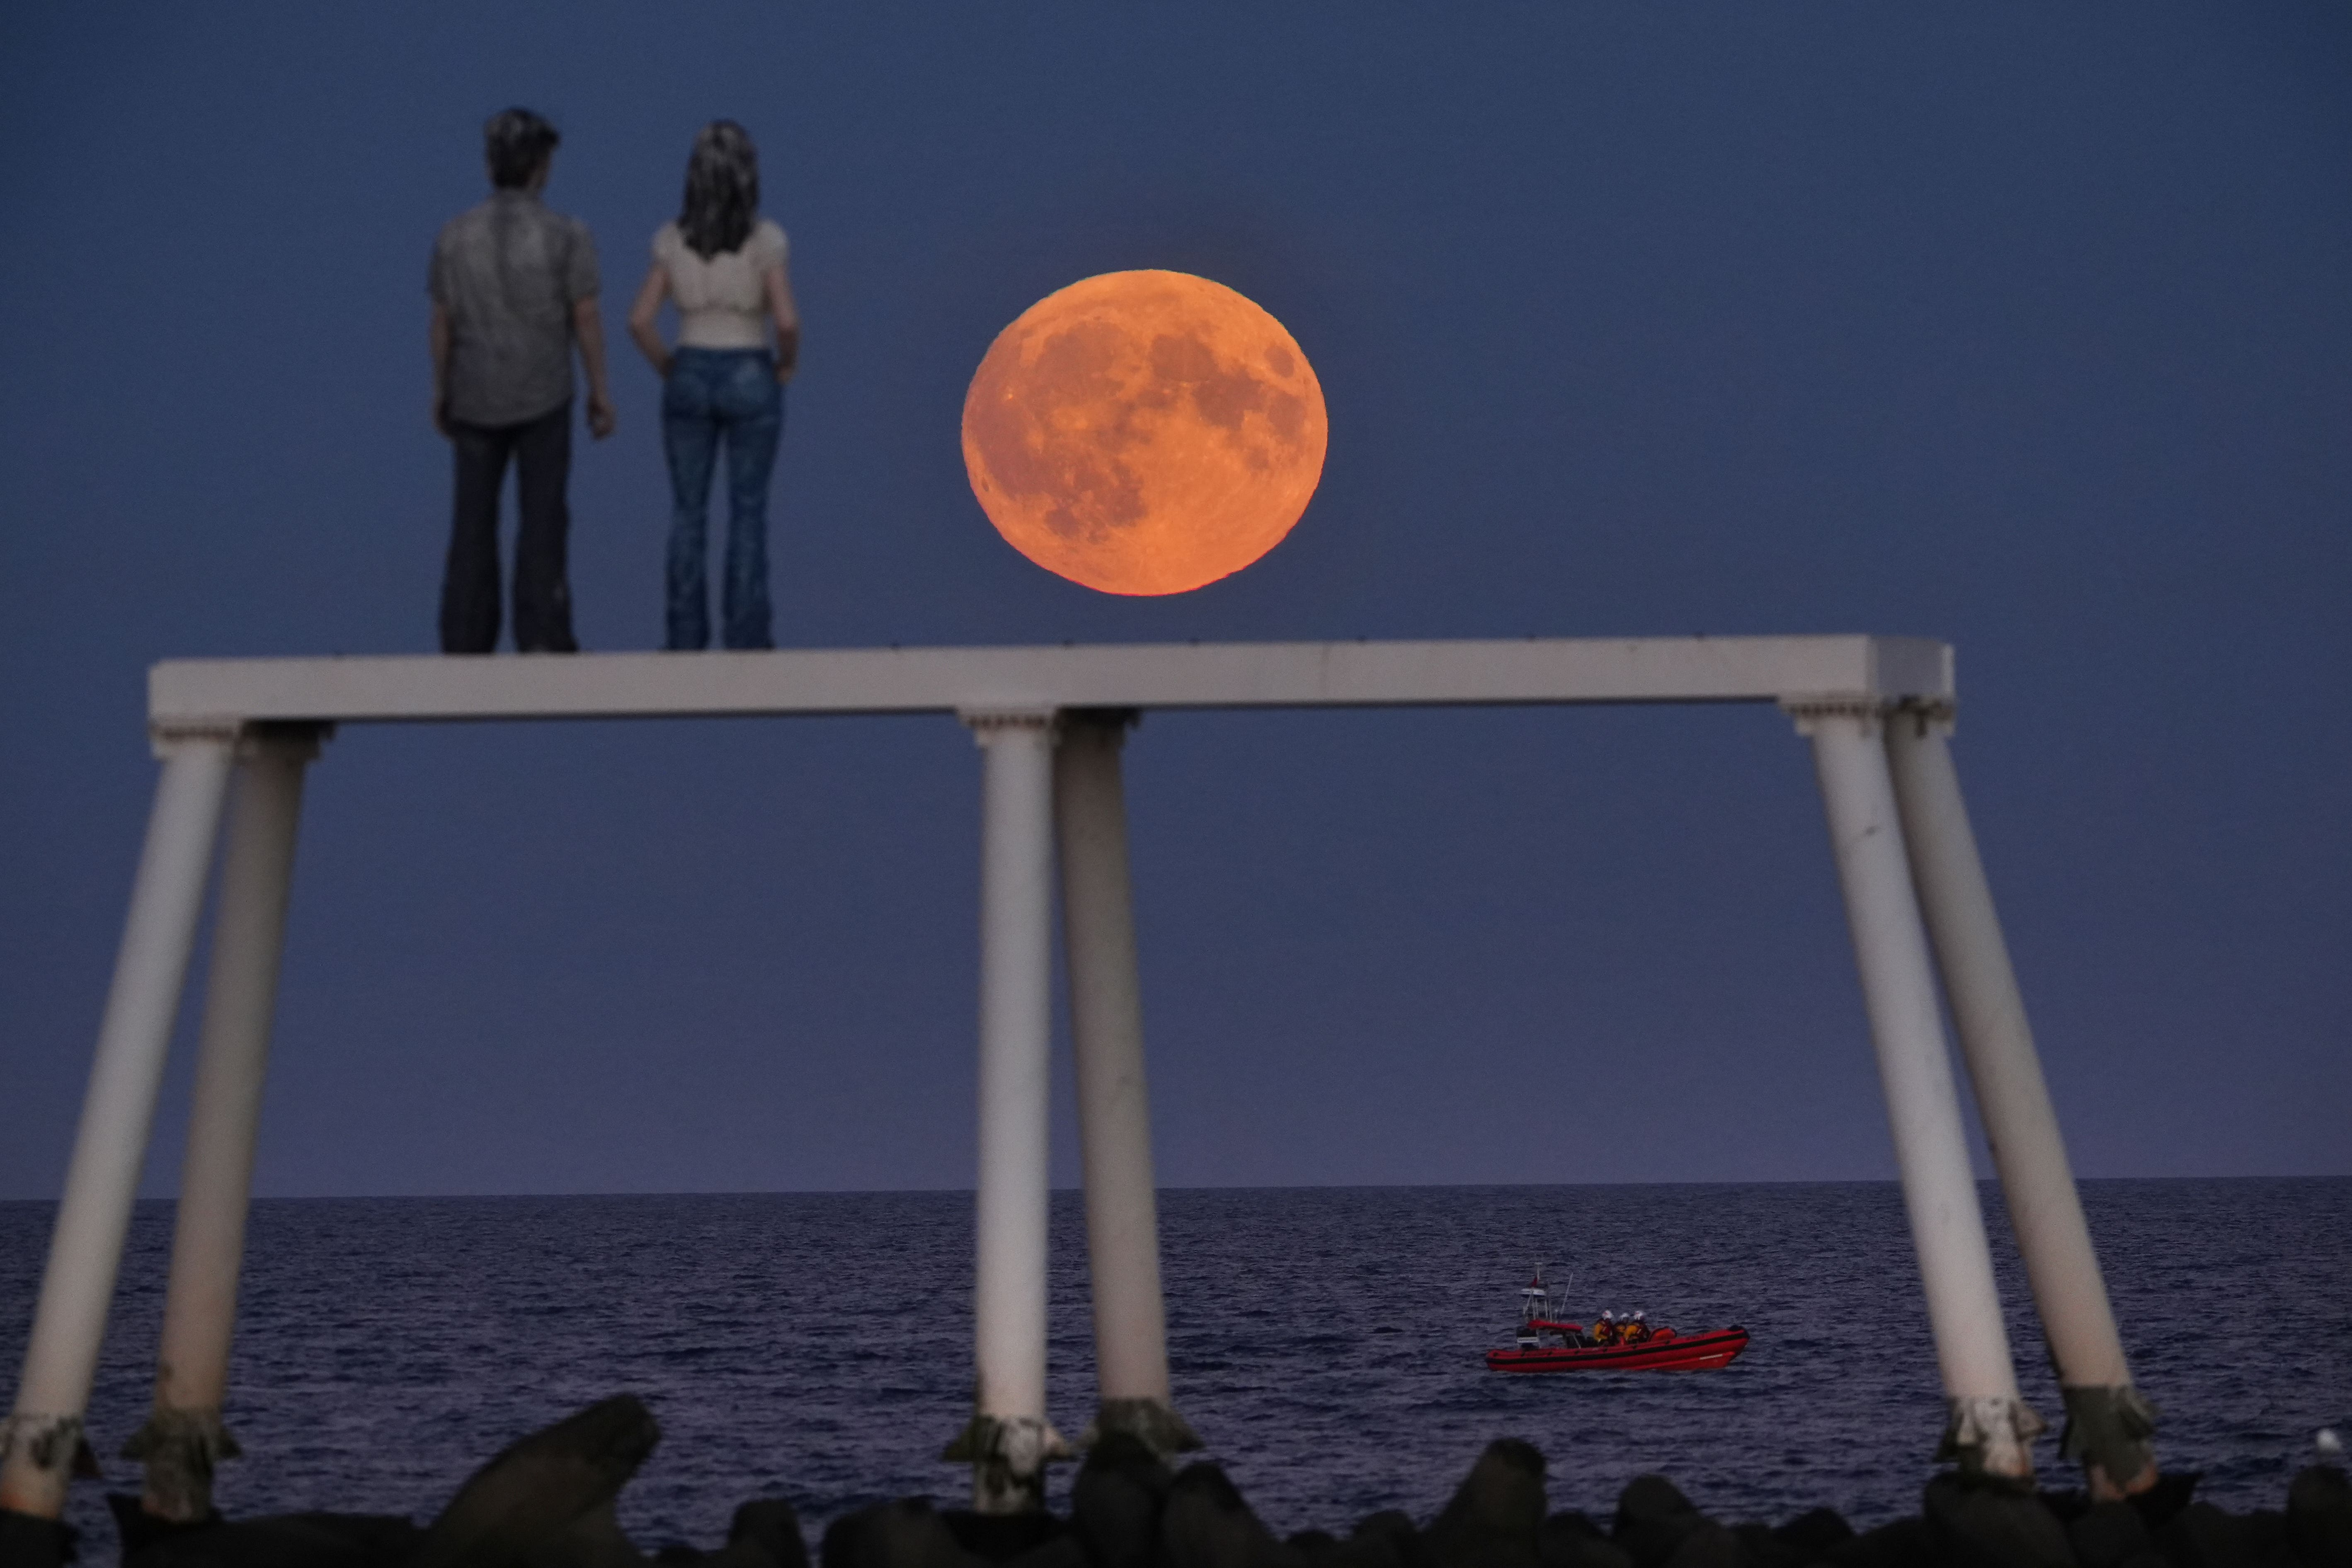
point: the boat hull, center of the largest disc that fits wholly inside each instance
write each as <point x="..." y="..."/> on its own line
<point x="1682" y="1352"/>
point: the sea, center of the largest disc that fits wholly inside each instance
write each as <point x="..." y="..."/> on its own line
<point x="1324" y="1342"/>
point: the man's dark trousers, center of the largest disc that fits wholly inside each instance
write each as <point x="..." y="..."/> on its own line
<point x="541" y="449"/>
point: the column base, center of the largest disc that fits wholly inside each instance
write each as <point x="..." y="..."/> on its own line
<point x="1154" y="1421"/>
<point x="1008" y="1455"/>
<point x="39" y="1456"/>
<point x="180" y="1448"/>
<point x="2107" y="1433"/>
<point x="1991" y="1437"/>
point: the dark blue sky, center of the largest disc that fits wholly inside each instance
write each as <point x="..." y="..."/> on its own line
<point x="2021" y="327"/>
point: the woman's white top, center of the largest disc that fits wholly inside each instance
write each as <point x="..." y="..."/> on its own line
<point x="721" y="303"/>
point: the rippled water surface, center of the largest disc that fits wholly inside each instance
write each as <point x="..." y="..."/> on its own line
<point x="1326" y="1342"/>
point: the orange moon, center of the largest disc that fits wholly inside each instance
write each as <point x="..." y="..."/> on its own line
<point x="1144" y="432"/>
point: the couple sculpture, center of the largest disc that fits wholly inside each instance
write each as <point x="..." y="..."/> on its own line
<point x="515" y="290"/>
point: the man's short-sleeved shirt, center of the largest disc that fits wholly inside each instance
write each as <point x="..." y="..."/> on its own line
<point x="508" y="273"/>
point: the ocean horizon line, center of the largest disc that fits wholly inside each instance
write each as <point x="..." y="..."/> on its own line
<point x="1984" y="1182"/>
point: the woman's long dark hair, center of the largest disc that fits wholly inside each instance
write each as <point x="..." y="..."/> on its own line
<point x="722" y="190"/>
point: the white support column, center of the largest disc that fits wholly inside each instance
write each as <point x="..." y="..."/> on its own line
<point x="45" y="1433"/>
<point x="2108" y="1423"/>
<point x="1114" y="1104"/>
<point x="1008" y="1440"/>
<point x="1990" y="1429"/>
<point x="184" y="1436"/>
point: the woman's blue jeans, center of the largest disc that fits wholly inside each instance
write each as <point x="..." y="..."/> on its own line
<point x="713" y="394"/>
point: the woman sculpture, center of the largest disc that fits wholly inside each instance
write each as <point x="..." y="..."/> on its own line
<point x="723" y="265"/>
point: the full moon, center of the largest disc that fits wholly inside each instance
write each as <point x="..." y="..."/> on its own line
<point x="1144" y="432"/>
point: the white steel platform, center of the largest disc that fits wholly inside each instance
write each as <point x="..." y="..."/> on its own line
<point x="200" y="693"/>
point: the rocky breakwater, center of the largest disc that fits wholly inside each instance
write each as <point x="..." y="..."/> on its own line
<point x="547" y="1501"/>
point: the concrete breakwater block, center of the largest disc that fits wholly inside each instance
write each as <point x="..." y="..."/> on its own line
<point x="326" y="1540"/>
<point x="29" y="1542"/>
<point x="2319" y="1515"/>
<point x="548" y="1501"/>
<point x="908" y="1533"/>
<point x="1127" y="1511"/>
<point x="550" y="1492"/>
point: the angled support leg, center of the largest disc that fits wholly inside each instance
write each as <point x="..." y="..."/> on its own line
<point x="2108" y="1423"/>
<point x="40" y="1443"/>
<point x="1008" y="1440"/>
<point x="1114" y="1107"/>
<point x="184" y="1436"/>
<point x="1991" y="1430"/>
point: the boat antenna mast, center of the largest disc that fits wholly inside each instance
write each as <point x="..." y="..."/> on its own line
<point x="1534" y="1301"/>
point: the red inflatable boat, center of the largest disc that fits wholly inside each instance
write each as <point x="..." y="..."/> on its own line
<point x="1546" y="1344"/>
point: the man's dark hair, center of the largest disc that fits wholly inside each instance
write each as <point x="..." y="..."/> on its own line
<point x="722" y="190"/>
<point x="516" y="142"/>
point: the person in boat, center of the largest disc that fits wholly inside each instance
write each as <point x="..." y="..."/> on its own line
<point x="1638" y="1329"/>
<point x="1604" y="1332"/>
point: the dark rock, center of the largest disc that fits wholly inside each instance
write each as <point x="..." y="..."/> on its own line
<point x="2319" y="1516"/>
<point x="1598" y="1553"/>
<point x="765" y="1531"/>
<point x="29" y="1541"/>
<point x="1000" y="1537"/>
<point x="1765" y="1547"/>
<point x="1115" y="1501"/>
<point x="2108" y="1534"/>
<point x="1902" y="1543"/>
<point x="525" y="1500"/>
<point x="591" y="1540"/>
<point x="138" y="1529"/>
<point x="2203" y="1536"/>
<point x="1394" y="1525"/>
<point x="1812" y="1535"/>
<point x="382" y="1539"/>
<point x="1986" y="1522"/>
<point x="1653" y="1519"/>
<point x="1361" y="1552"/>
<point x="280" y="1541"/>
<point x="1061" y="1551"/>
<point x="1496" y="1512"/>
<point x="1563" y="1545"/>
<point x="1384" y="1539"/>
<point x="902" y="1535"/>
<point x="2161" y="1503"/>
<point x="1571" y="1539"/>
<point x="1710" y="1546"/>
<point x="764" y="1534"/>
<point x="2264" y="1531"/>
<point x="1313" y="1544"/>
<point x="1207" y="1525"/>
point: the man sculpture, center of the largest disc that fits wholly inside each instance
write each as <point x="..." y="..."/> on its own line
<point x="514" y="289"/>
